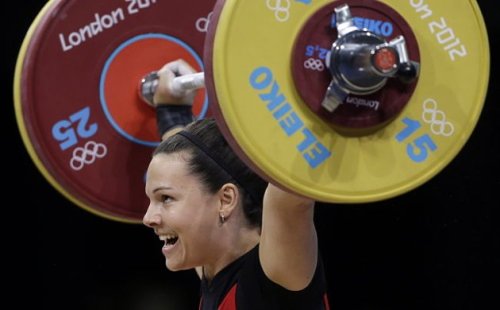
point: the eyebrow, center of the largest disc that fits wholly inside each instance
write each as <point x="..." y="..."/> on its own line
<point x="161" y="188"/>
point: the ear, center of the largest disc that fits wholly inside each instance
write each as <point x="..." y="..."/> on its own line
<point x="229" y="198"/>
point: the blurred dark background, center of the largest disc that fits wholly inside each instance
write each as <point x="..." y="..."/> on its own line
<point x="433" y="248"/>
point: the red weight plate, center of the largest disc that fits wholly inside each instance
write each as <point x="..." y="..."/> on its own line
<point x="79" y="110"/>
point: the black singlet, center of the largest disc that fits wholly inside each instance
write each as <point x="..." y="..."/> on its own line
<point x="242" y="285"/>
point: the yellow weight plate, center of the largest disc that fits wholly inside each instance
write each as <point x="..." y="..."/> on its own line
<point x="278" y="135"/>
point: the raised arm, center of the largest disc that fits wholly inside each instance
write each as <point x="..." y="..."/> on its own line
<point x="288" y="245"/>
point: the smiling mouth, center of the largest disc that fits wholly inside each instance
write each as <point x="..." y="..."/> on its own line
<point x="169" y="240"/>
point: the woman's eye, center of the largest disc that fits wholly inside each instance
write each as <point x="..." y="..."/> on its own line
<point x="166" y="198"/>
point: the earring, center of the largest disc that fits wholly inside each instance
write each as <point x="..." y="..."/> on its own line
<point x="221" y="217"/>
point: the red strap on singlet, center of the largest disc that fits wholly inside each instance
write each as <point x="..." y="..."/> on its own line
<point x="326" y="302"/>
<point x="229" y="302"/>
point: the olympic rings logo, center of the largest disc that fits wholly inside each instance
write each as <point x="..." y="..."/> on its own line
<point x="437" y="119"/>
<point x="87" y="155"/>
<point x="281" y="9"/>
<point x="203" y="22"/>
<point x="314" y="64"/>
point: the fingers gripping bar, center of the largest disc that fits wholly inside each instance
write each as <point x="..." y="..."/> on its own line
<point x="183" y="83"/>
<point x="178" y="86"/>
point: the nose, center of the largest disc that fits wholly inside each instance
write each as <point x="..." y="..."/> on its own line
<point x="152" y="218"/>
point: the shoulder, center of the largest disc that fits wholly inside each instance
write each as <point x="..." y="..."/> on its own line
<point x="256" y="290"/>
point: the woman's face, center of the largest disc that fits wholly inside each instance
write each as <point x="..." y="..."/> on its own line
<point x="181" y="212"/>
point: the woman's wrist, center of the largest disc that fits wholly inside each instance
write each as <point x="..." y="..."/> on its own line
<point x="170" y="116"/>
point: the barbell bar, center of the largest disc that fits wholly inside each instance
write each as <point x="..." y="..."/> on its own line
<point x="274" y="73"/>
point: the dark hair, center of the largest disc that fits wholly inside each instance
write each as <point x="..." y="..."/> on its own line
<point x="215" y="163"/>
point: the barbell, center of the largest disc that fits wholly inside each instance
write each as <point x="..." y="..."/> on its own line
<point x="342" y="101"/>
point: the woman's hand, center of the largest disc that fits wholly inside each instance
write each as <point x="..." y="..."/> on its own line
<point x="165" y="94"/>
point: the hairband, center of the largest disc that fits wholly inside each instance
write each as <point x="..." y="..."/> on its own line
<point x="198" y="143"/>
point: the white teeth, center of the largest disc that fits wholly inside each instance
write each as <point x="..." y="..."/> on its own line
<point x="167" y="237"/>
